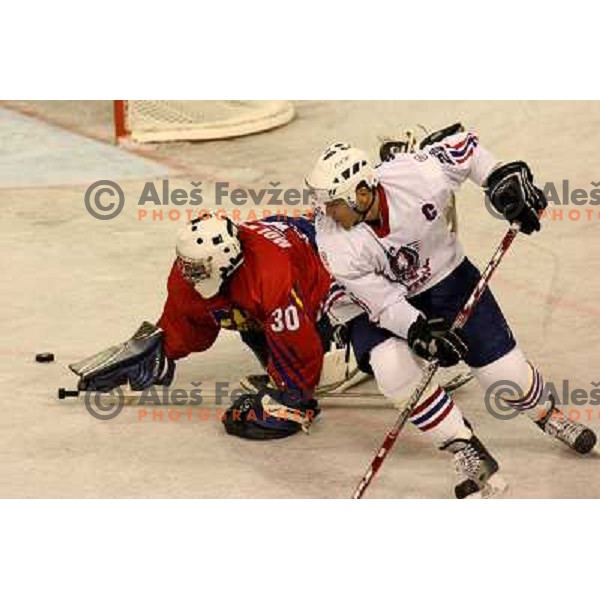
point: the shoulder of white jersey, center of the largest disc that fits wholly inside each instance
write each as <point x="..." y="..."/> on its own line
<point x="339" y="249"/>
<point x="400" y="165"/>
<point x="412" y="169"/>
<point x="454" y="150"/>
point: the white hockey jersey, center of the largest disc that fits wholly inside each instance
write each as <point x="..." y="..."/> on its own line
<point x="412" y="248"/>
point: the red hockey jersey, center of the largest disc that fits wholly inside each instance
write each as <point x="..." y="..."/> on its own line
<point x="280" y="288"/>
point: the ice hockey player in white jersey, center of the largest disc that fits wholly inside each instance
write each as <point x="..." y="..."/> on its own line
<point x="382" y="234"/>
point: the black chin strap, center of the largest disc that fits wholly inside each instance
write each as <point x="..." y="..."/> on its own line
<point x="363" y="213"/>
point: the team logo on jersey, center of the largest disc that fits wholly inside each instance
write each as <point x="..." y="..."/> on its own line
<point x="406" y="268"/>
<point x="403" y="261"/>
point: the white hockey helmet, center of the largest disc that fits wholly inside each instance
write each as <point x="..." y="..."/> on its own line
<point x="337" y="173"/>
<point x="208" y="252"/>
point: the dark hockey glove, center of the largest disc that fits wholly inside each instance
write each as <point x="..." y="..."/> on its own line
<point x="512" y="193"/>
<point x="269" y="414"/>
<point x="432" y="340"/>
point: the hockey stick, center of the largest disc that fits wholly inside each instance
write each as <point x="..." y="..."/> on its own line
<point x="456" y="382"/>
<point x="431" y="368"/>
<point x="336" y="389"/>
<point x="131" y="398"/>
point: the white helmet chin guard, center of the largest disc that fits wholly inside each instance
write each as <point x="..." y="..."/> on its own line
<point x="337" y="174"/>
<point x="208" y="252"/>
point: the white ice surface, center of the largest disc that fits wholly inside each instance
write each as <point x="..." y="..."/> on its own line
<point x="72" y="285"/>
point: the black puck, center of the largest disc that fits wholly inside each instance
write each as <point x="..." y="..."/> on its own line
<point x="63" y="393"/>
<point x="44" y="357"/>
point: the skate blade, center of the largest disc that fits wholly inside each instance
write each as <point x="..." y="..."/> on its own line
<point x="595" y="451"/>
<point x="495" y="487"/>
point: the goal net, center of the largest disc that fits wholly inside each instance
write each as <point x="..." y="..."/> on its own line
<point x="173" y="120"/>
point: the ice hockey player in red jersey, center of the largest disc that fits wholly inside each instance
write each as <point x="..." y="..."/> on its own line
<point x="263" y="279"/>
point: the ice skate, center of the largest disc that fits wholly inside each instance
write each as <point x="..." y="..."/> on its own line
<point x="476" y="468"/>
<point x="574" y="435"/>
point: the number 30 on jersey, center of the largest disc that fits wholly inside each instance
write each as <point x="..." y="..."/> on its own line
<point x="285" y="319"/>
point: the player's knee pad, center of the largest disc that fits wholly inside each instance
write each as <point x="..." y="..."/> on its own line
<point x="394" y="367"/>
<point x="513" y="379"/>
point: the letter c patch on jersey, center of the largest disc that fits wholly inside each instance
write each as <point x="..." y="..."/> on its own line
<point x="430" y="211"/>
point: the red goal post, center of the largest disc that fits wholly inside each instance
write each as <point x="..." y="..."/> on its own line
<point x="177" y="120"/>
